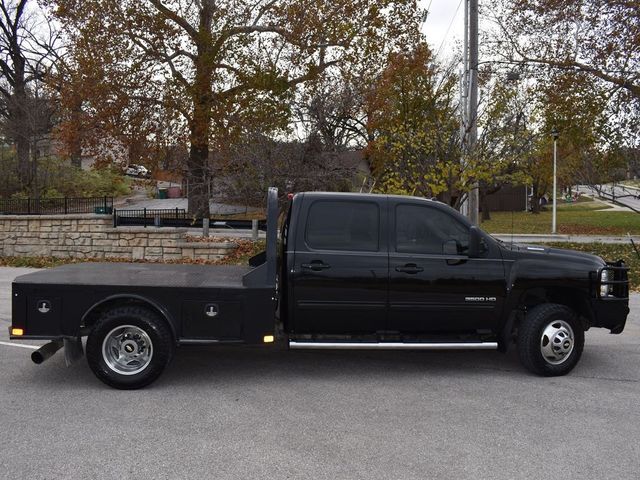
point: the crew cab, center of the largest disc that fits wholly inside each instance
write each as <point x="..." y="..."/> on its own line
<point x="348" y="271"/>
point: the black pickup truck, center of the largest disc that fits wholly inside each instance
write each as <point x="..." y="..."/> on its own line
<point x="349" y="271"/>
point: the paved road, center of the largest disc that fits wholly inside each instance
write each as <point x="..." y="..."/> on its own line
<point x="624" y="195"/>
<point x="250" y="413"/>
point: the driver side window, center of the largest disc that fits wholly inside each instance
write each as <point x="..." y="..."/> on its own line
<point x="423" y="229"/>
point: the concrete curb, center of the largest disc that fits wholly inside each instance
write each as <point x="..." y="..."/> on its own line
<point x="545" y="238"/>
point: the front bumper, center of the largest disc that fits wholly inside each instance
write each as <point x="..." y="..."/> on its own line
<point x="610" y="314"/>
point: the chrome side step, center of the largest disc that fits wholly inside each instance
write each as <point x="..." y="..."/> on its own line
<point x="393" y="345"/>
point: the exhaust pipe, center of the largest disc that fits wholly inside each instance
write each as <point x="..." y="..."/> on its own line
<point x="46" y="351"/>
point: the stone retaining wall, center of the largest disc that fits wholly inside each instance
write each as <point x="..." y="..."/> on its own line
<point x="93" y="236"/>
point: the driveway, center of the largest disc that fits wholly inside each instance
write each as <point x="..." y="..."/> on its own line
<point x="257" y="413"/>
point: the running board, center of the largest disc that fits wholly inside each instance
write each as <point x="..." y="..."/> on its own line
<point x="393" y="345"/>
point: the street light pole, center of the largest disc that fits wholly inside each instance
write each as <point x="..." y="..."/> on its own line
<point x="555" y="135"/>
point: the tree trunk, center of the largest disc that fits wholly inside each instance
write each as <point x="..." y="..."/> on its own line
<point x="18" y="110"/>
<point x="197" y="164"/>
<point x="484" y="205"/>
<point x="22" y="154"/>
<point x="198" y="196"/>
<point x="535" y="199"/>
<point x="19" y="130"/>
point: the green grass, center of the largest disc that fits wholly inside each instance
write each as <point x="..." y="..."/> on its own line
<point x="631" y="183"/>
<point x="581" y="218"/>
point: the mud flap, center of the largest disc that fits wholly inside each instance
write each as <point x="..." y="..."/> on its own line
<point x="505" y="339"/>
<point x="72" y="350"/>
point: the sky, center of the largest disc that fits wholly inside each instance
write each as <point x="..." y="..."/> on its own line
<point x="443" y="26"/>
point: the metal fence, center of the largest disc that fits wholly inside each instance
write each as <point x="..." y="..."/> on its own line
<point x="55" y="206"/>
<point x="175" y="217"/>
<point x="143" y="217"/>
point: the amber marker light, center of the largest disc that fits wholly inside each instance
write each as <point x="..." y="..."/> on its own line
<point x="17" y="332"/>
<point x="268" y="339"/>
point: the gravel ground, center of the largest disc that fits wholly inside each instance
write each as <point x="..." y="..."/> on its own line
<point x="258" y="413"/>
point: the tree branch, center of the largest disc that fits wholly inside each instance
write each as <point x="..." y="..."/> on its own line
<point x="177" y="19"/>
<point x="575" y="65"/>
<point x="166" y="58"/>
<point x="6" y="70"/>
<point x="157" y="101"/>
<point x="5" y="92"/>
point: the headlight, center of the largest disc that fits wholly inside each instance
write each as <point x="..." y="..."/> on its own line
<point x="606" y="276"/>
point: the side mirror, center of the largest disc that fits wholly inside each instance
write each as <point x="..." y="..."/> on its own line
<point x="475" y="240"/>
<point x="450" y="247"/>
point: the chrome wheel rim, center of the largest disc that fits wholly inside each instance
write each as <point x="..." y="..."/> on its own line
<point x="557" y="342"/>
<point x="127" y="350"/>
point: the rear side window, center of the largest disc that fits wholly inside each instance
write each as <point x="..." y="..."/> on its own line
<point x="343" y="225"/>
<point x="422" y="229"/>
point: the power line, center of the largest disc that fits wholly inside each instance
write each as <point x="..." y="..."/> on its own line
<point x="448" y="28"/>
<point x="424" y="17"/>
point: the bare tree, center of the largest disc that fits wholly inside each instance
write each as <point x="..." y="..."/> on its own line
<point x="335" y="109"/>
<point x="27" y="41"/>
<point x="599" y="37"/>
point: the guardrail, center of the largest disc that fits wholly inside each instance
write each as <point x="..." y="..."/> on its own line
<point x="55" y="206"/>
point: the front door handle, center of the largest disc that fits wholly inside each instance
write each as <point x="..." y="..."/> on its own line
<point x="316" y="265"/>
<point x="411" y="268"/>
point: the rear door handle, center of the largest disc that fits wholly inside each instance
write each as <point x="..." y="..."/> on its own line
<point x="315" y="266"/>
<point x="411" y="268"/>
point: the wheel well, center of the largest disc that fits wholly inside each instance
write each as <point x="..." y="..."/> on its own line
<point x="575" y="299"/>
<point x="93" y="314"/>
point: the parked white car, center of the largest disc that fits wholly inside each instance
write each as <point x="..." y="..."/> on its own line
<point x="140" y="171"/>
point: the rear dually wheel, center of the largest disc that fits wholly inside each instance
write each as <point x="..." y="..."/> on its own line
<point x="129" y="347"/>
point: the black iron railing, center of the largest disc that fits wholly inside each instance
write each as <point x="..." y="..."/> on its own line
<point x="55" y="206"/>
<point x="175" y="217"/>
<point x="143" y="217"/>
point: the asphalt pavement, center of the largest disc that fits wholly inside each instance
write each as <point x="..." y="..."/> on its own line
<point x="622" y="194"/>
<point x="258" y="413"/>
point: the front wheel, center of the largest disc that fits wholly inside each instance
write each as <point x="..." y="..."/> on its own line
<point x="129" y="347"/>
<point x="550" y="340"/>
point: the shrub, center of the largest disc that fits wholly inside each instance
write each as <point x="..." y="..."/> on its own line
<point x="58" y="178"/>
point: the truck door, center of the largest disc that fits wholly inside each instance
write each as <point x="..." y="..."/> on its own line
<point x="340" y="267"/>
<point x="433" y="285"/>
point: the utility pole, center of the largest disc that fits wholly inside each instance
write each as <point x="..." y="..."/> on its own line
<point x="474" y="199"/>
<point x="464" y="99"/>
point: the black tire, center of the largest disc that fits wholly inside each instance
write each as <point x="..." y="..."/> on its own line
<point x="530" y="339"/>
<point x="157" y="331"/>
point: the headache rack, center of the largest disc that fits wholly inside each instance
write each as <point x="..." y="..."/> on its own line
<point x="613" y="275"/>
